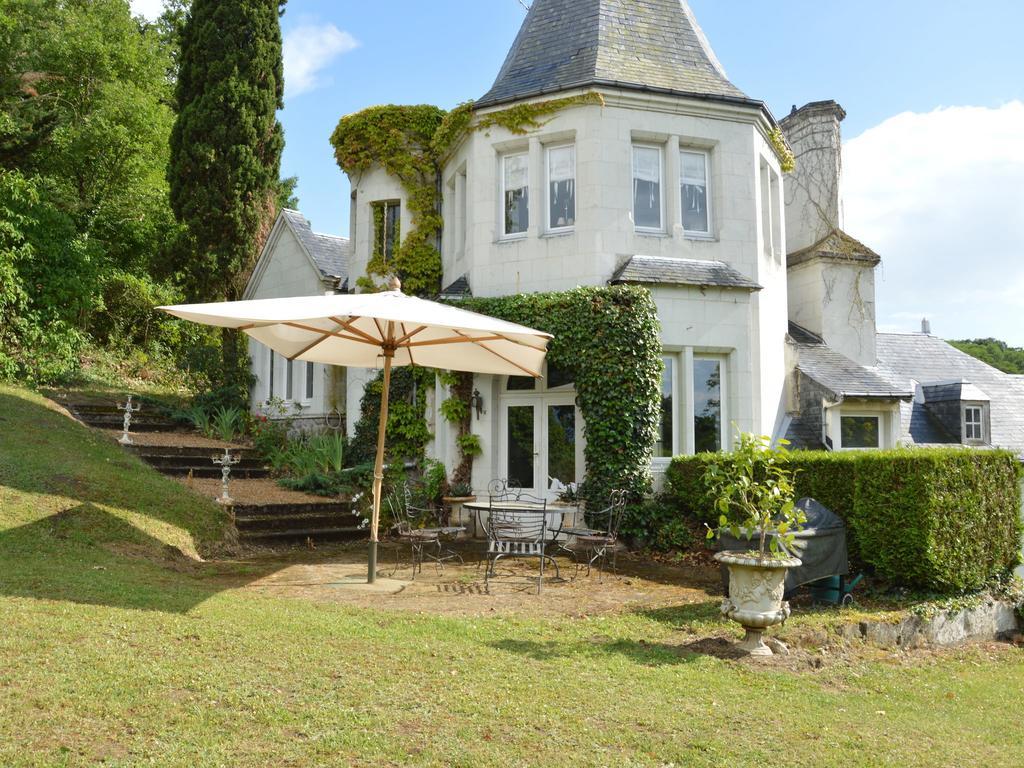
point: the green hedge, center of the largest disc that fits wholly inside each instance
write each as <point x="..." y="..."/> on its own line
<point x="943" y="519"/>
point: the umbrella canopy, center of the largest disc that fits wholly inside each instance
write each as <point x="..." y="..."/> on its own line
<point x="371" y="330"/>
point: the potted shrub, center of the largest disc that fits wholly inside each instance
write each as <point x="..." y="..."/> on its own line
<point x="754" y="497"/>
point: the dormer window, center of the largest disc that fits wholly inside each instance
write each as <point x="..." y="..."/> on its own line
<point x="974" y="423"/>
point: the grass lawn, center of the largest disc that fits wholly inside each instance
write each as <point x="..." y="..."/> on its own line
<point x="119" y="646"/>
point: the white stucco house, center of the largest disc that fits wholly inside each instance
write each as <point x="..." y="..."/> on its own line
<point x="766" y="305"/>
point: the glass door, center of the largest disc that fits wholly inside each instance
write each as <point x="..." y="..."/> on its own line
<point x="541" y="442"/>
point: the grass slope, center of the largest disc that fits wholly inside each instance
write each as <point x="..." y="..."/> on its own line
<point x="117" y="648"/>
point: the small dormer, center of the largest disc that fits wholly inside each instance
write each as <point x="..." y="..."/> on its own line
<point x="962" y="409"/>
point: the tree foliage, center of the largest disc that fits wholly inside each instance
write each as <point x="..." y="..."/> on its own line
<point x="226" y="142"/>
<point x="996" y="353"/>
<point x="84" y="119"/>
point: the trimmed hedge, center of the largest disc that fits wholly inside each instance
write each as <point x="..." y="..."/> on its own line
<point x="941" y="519"/>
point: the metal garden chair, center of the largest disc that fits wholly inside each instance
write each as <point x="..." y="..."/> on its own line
<point x="518" y="528"/>
<point x="417" y="528"/>
<point x="600" y="538"/>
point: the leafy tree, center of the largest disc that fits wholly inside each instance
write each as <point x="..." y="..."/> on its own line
<point x="994" y="352"/>
<point x="226" y="142"/>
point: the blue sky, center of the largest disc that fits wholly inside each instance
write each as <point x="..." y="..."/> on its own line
<point x="879" y="59"/>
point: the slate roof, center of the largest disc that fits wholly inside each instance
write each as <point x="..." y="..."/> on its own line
<point x="330" y="253"/>
<point x="947" y="391"/>
<point x="844" y="377"/>
<point x="837" y="246"/>
<point x="665" y="270"/>
<point x="924" y="358"/>
<point x="458" y="287"/>
<point x="651" y="45"/>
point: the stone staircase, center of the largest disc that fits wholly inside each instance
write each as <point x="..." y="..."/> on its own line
<point x="274" y="523"/>
<point x="264" y="513"/>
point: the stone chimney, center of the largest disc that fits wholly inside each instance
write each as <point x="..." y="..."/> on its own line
<point x="830" y="275"/>
<point x="812" y="190"/>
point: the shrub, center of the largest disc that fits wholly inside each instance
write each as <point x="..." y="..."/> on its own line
<point x="943" y="519"/>
<point x="656" y="523"/>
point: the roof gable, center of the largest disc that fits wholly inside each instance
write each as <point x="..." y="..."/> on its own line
<point x="638" y="44"/>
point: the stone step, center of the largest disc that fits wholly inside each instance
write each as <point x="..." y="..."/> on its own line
<point x="292" y="523"/>
<point x="139" y="423"/>
<point x="213" y="471"/>
<point x="201" y="461"/>
<point x="190" y="451"/>
<point x="261" y="511"/>
<point x="298" y="535"/>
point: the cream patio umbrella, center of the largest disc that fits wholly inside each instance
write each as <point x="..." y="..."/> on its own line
<point x="385" y="329"/>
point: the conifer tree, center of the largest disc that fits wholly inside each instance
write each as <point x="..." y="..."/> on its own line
<point x="226" y="143"/>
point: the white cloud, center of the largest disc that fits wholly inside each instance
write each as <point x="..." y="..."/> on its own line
<point x="308" y="49"/>
<point x="941" y="197"/>
<point x="150" y="9"/>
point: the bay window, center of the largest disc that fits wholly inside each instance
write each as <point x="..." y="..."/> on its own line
<point x="515" y="194"/>
<point x="561" y="186"/>
<point x="692" y="415"/>
<point x="647" y="195"/>
<point x="693" y="188"/>
<point x="707" y="404"/>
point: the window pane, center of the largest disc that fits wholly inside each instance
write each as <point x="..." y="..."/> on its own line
<point x="561" y="187"/>
<point x="558" y="377"/>
<point x="707" y="405"/>
<point x="520" y="446"/>
<point x="663" y="447"/>
<point x="562" y="443"/>
<point x="859" y="431"/>
<point x="516" y="202"/>
<point x="309" y="381"/>
<point x="521" y="384"/>
<point x="647" y="187"/>
<point x="288" y="380"/>
<point x="694" y="192"/>
<point x="386" y="226"/>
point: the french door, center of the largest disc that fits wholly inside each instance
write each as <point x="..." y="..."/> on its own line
<point x="541" y="441"/>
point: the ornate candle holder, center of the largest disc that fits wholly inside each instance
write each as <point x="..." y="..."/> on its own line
<point x="225" y="462"/>
<point x="128" y="409"/>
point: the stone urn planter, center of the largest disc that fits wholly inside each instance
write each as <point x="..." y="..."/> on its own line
<point x="755" y="601"/>
<point x="455" y="503"/>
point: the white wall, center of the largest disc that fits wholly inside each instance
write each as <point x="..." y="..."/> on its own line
<point x="284" y="271"/>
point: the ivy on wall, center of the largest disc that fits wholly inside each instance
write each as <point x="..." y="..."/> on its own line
<point x="409" y="143"/>
<point x="455" y="409"/>
<point x="787" y="160"/>
<point x="407" y="431"/>
<point x="609" y="339"/>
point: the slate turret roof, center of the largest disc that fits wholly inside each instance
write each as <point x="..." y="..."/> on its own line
<point x="650" y="45"/>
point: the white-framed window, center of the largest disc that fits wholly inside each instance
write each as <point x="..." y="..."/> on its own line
<point x="515" y="194"/>
<point x="666" y="445"/>
<point x="708" y="387"/>
<point x="308" y="382"/>
<point x="648" y="197"/>
<point x="695" y="192"/>
<point x="860" y="431"/>
<point x="289" y="380"/>
<point x="974" y="423"/>
<point x="387" y="225"/>
<point x="561" y="187"/>
<point x="693" y="417"/>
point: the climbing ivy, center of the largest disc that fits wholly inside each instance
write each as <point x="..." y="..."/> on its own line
<point x="409" y="143"/>
<point x="407" y="430"/>
<point x="398" y="138"/>
<point x="609" y="339"/>
<point x="455" y="409"/>
<point x="787" y="160"/>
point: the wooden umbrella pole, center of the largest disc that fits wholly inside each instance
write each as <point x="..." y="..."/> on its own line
<point x="378" y="467"/>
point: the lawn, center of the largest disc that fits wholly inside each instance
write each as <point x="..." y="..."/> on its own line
<point x="120" y="646"/>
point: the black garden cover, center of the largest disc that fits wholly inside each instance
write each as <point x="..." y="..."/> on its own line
<point x="821" y="545"/>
